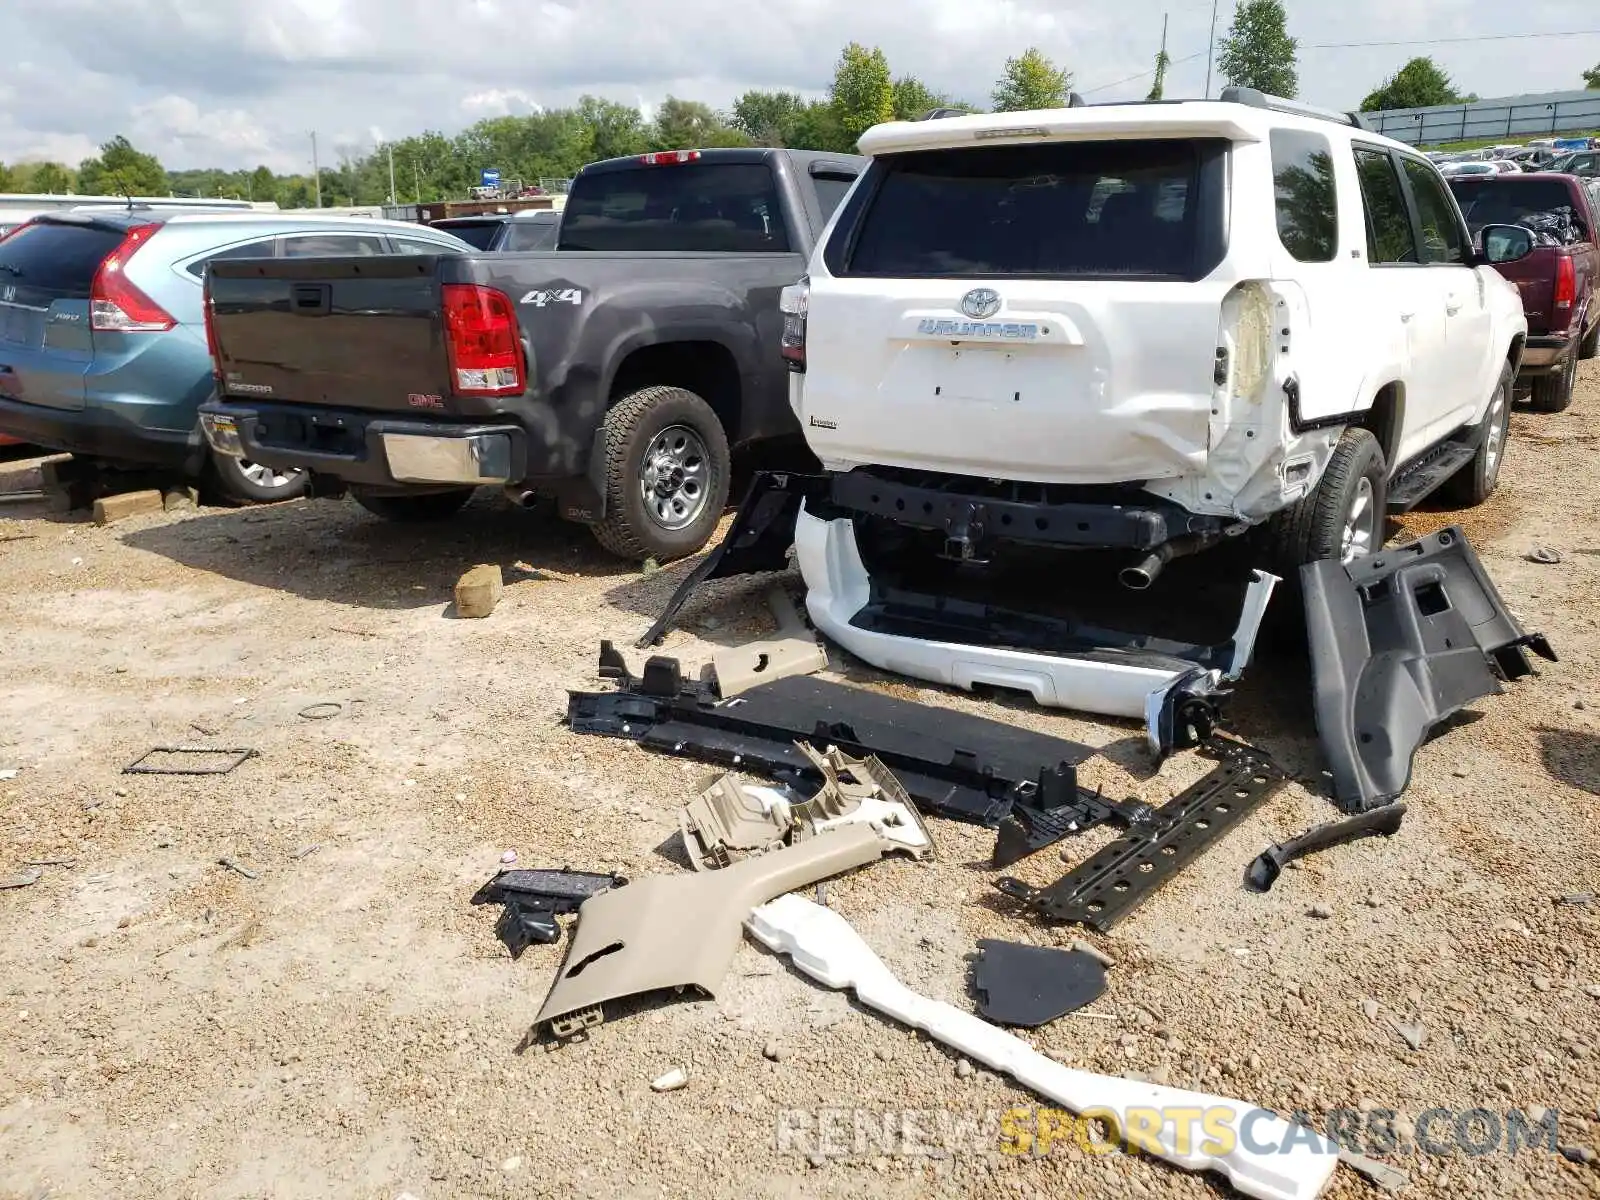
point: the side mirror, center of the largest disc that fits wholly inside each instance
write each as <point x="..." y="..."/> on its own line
<point x="1506" y="243"/>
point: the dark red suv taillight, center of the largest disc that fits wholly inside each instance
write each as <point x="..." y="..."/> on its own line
<point x="1566" y="282"/>
<point x="485" y="345"/>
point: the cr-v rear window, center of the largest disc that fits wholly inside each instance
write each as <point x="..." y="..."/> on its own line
<point x="57" y="259"/>
<point x="1088" y="210"/>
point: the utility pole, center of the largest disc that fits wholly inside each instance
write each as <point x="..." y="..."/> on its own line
<point x="1159" y="91"/>
<point x="316" y="170"/>
<point x="1211" y="49"/>
<point x="391" y="173"/>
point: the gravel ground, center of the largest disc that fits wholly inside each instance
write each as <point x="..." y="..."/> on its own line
<point x="346" y="1024"/>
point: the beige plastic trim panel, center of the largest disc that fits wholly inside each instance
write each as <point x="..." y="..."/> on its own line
<point x="793" y="651"/>
<point x="676" y="931"/>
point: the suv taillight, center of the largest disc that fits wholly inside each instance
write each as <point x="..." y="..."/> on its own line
<point x="211" y="331"/>
<point x="485" y="345"/>
<point x="115" y="304"/>
<point x="1566" y="282"/>
<point x="794" y="302"/>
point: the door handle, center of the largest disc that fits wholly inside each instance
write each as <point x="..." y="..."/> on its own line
<point x="1452" y="306"/>
<point x="1406" y="316"/>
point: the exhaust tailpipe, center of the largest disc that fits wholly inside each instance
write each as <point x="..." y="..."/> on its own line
<point x="522" y="497"/>
<point x="1139" y="576"/>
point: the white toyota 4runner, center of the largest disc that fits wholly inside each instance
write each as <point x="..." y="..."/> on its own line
<point x="1144" y="328"/>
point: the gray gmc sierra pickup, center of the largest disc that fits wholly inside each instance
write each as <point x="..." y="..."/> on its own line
<point x="614" y="373"/>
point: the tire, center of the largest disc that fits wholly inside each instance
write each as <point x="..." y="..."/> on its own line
<point x="667" y="474"/>
<point x="1590" y="346"/>
<point x="414" y="509"/>
<point x="253" y="483"/>
<point x="1355" y="487"/>
<point x="1552" y="393"/>
<point x="1475" y="482"/>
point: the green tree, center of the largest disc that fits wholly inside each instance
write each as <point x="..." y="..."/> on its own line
<point x="6" y="180"/>
<point x="1591" y="78"/>
<point x="614" y="130"/>
<point x="685" y="124"/>
<point x="768" y="118"/>
<point x="263" y="184"/>
<point x="863" y="91"/>
<point x="46" y="178"/>
<point x="1031" y="81"/>
<point x="1418" y="84"/>
<point x="913" y="99"/>
<point x="1258" y="51"/>
<point x="120" y="169"/>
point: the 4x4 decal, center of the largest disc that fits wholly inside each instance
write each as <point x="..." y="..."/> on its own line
<point x="541" y="297"/>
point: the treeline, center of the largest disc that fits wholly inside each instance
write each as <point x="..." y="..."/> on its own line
<point x="554" y="144"/>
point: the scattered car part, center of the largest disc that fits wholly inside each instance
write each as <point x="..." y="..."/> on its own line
<point x="237" y="868"/>
<point x="678" y="931"/>
<point x="858" y="791"/>
<point x="953" y="765"/>
<point x="1021" y="833"/>
<point x="534" y="898"/>
<point x="1401" y="640"/>
<point x="1390" y="1179"/>
<point x="1031" y="986"/>
<point x="673" y="1081"/>
<point x="25" y="879"/>
<point x="234" y="756"/>
<point x="322" y="711"/>
<point x="1547" y="555"/>
<point x="1264" y="871"/>
<point x="793" y="650"/>
<point x="1293" y="1163"/>
<point x="731" y="821"/>
<point x="1110" y="884"/>
<point x="756" y="543"/>
<point x="1176" y="687"/>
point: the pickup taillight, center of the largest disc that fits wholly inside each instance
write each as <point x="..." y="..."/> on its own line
<point x="1566" y="282"/>
<point x="484" y="342"/>
<point x="794" y="302"/>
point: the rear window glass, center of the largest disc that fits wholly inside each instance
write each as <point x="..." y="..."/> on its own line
<point x="1084" y="209"/>
<point x="529" y="235"/>
<point x="830" y="190"/>
<point x="691" y="208"/>
<point x="60" y="259"/>
<point x="478" y="234"/>
<point x="1512" y="201"/>
<point x="1307" y="202"/>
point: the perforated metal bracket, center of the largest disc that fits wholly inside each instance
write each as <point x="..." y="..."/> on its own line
<point x="1109" y="885"/>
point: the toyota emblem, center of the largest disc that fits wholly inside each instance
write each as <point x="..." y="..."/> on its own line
<point x="981" y="303"/>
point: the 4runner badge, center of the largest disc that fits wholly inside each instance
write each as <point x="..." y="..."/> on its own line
<point x="980" y="303"/>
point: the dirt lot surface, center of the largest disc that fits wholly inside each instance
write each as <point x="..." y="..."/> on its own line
<point x="347" y="1024"/>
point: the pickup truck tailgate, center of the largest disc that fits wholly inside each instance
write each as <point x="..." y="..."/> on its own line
<point x="360" y="333"/>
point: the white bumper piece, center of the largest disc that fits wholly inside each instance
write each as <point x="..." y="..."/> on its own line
<point x="838" y="587"/>
<point x="1261" y="1154"/>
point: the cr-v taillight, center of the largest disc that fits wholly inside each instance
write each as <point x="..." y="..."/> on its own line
<point x="485" y="345"/>
<point x="115" y="304"/>
<point x="1566" y="282"/>
<point x="794" y="302"/>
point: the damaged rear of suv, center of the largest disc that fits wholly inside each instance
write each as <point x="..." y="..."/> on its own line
<point x="1143" y="329"/>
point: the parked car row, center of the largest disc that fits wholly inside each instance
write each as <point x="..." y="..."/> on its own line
<point x="988" y="319"/>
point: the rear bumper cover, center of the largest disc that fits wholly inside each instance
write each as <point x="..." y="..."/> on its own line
<point x="97" y="433"/>
<point x="1544" y="353"/>
<point x="1174" y="688"/>
<point x="367" y="449"/>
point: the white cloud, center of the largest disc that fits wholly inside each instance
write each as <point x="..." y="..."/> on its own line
<point x="240" y="82"/>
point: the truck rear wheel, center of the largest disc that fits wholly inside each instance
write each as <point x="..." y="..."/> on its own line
<point x="1344" y="517"/>
<point x="1552" y="393"/>
<point x="411" y="510"/>
<point x="667" y="472"/>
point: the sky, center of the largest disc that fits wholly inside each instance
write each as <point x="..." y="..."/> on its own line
<point x="242" y="83"/>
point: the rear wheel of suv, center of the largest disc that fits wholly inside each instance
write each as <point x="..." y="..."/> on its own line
<point x="426" y="506"/>
<point x="1590" y="346"/>
<point x="667" y="472"/>
<point x="1475" y="482"/>
<point x="256" y="483"/>
<point x="1343" y="518"/>
<point x="1552" y="393"/>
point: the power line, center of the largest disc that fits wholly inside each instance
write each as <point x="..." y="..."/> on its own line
<point x="1141" y="75"/>
<point x="1445" y="41"/>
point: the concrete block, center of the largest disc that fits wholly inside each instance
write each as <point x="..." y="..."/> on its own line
<point x="109" y="509"/>
<point x="181" y="499"/>
<point x="478" y="591"/>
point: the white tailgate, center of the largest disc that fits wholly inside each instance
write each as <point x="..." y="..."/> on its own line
<point x="898" y="376"/>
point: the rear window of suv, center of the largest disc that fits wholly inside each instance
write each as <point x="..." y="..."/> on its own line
<point x="685" y="207"/>
<point x="1087" y="210"/>
<point x="1510" y="201"/>
<point x="59" y="259"/>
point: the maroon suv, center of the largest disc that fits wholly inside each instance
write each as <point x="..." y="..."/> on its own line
<point x="1557" y="280"/>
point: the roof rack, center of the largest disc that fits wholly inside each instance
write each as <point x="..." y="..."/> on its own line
<point x="1257" y="99"/>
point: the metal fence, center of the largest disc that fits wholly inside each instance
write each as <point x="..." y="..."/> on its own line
<point x="1512" y="118"/>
